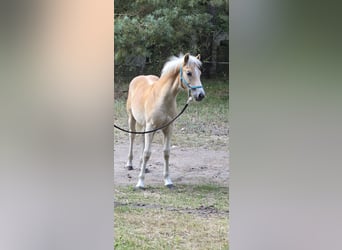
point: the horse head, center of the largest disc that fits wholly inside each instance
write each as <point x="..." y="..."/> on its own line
<point x="190" y="76"/>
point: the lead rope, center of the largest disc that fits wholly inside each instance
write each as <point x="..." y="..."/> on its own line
<point x="154" y="130"/>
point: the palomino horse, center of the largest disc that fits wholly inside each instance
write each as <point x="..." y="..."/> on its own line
<point x="151" y="104"/>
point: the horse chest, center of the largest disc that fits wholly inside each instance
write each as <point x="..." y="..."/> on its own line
<point x="160" y="115"/>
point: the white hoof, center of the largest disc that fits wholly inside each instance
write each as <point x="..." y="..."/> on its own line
<point x="140" y="184"/>
<point x="168" y="182"/>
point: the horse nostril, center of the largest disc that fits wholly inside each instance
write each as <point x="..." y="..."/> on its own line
<point x="200" y="96"/>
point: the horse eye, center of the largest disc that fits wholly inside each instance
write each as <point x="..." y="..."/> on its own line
<point x="189" y="73"/>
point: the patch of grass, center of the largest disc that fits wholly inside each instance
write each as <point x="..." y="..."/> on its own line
<point x="183" y="196"/>
<point x="204" y="123"/>
<point x="157" y="229"/>
<point x="188" y="217"/>
<point x="120" y="119"/>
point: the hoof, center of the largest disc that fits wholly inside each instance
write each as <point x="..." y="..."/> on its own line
<point x="170" y="186"/>
<point x="139" y="188"/>
<point x="129" y="167"/>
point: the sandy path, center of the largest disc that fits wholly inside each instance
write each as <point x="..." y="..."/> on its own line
<point x="187" y="165"/>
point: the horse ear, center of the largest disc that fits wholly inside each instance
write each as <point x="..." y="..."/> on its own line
<point x="198" y="57"/>
<point x="186" y="59"/>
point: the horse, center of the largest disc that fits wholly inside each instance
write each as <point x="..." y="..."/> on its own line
<point x="151" y="103"/>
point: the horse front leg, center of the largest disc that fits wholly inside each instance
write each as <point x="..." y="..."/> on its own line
<point x="145" y="157"/>
<point x="167" y="139"/>
<point x="142" y="149"/>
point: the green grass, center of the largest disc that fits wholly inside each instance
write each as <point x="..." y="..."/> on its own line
<point x="181" y="197"/>
<point x="188" y="217"/>
<point x="203" y="123"/>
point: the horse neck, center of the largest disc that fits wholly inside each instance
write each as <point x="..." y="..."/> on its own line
<point x="169" y="87"/>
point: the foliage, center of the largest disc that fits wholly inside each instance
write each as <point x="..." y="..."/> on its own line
<point x="156" y="29"/>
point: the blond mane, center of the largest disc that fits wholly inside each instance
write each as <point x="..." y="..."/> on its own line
<point x="174" y="63"/>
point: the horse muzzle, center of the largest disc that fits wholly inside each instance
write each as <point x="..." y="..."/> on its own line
<point x="199" y="96"/>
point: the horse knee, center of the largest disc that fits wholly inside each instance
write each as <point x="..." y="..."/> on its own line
<point x="147" y="155"/>
<point x="130" y="157"/>
<point x="166" y="153"/>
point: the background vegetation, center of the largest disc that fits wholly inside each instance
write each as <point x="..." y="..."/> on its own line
<point x="147" y="32"/>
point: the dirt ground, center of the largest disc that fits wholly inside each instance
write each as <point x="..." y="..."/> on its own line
<point x="187" y="165"/>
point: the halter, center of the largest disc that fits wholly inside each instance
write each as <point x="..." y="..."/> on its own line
<point x="185" y="82"/>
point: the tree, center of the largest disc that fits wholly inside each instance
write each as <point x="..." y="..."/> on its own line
<point x="156" y="29"/>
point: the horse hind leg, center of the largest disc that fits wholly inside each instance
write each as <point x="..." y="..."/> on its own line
<point x="131" y="125"/>
<point x="167" y="139"/>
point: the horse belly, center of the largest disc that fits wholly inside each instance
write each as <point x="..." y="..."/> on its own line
<point x="139" y="117"/>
